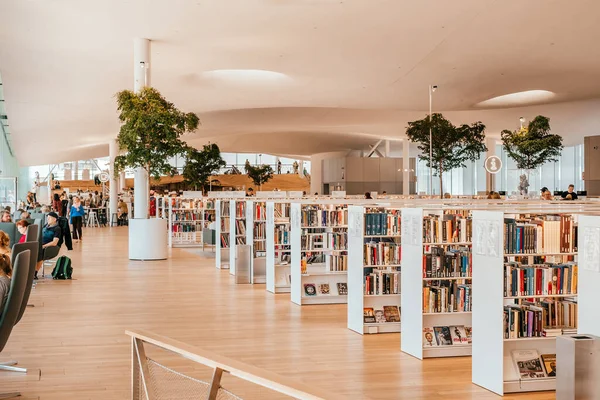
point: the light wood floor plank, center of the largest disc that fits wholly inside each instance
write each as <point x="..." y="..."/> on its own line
<point x="75" y="335"/>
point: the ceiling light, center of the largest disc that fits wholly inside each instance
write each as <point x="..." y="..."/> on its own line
<point x="517" y="99"/>
<point x="246" y="76"/>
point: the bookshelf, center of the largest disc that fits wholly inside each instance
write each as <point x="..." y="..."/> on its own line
<point x="436" y="282"/>
<point x="278" y="254"/>
<point x="589" y="275"/>
<point x="518" y="301"/>
<point x="256" y="237"/>
<point x="238" y="231"/>
<point x="222" y="227"/>
<point x="318" y="236"/>
<point x="186" y="222"/>
<point x="373" y="269"/>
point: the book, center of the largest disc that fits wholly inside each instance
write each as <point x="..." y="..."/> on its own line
<point x="468" y="331"/>
<point x="528" y="364"/>
<point x="392" y="313"/>
<point x="429" y="338"/>
<point x="379" y="316"/>
<point x="310" y="289"/>
<point x="369" y="315"/>
<point x="342" y="288"/>
<point x="324" y="288"/>
<point x="458" y="334"/>
<point x="549" y="361"/>
<point x="442" y="335"/>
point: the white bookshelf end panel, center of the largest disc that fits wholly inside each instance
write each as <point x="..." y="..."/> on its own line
<point x="589" y="275"/>
<point x="355" y="268"/>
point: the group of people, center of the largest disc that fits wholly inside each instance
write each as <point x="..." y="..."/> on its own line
<point x="569" y="194"/>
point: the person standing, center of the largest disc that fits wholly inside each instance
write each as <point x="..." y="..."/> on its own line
<point x="56" y="205"/>
<point x="77" y="213"/>
<point x="279" y="167"/>
<point x="570" y="193"/>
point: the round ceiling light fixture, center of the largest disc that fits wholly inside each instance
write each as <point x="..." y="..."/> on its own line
<point x="247" y="76"/>
<point x="527" y="97"/>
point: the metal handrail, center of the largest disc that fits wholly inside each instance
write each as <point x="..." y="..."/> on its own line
<point x="219" y="364"/>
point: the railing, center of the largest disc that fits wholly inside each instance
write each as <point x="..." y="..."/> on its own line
<point x="154" y="380"/>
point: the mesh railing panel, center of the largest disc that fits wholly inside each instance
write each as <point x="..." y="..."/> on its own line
<point x="168" y="384"/>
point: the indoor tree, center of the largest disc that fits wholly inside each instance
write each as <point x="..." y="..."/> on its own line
<point x="151" y="131"/>
<point x="259" y="174"/>
<point x="532" y="146"/>
<point x="452" y="146"/>
<point x="202" y="164"/>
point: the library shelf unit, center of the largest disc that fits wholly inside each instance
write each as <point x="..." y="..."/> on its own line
<point x="278" y="243"/>
<point x="256" y="238"/>
<point x="222" y="229"/>
<point x="589" y="274"/>
<point x="373" y="268"/>
<point x="187" y="219"/>
<point x="238" y="230"/>
<point x="318" y="248"/>
<point x="495" y="235"/>
<point x="435" y="254"/>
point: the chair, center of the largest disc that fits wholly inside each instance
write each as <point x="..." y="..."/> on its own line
<point x="48" y="254"/>
<point x="114" y="219"/>
<point x="12" y="309"/>
<point x="33" y="233"/>
<point x="16" y="250"/>
<point x="93" y="220"/>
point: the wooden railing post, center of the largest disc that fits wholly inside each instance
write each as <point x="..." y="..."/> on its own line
<point x="135" y="372"/>
<point x="144" y="370"/>
<point x="215" y="384"/>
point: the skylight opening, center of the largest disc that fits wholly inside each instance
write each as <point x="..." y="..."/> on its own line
<point x="527" y="97"/>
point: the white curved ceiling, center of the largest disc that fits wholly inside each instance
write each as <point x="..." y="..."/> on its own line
<point x="358" y="70"/>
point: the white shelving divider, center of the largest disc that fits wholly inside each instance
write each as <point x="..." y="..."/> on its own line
<point x="258" y="259"/>
<point x="221" y="252"/>
<point x="492" y="363"/>
<point x="589" y="275"/>
<point x="316" y="274"/>
<point x="415" y="320"/>
<point x="357" y="299"/>
<point x="277" y="273"/>
<point x="235" y="235"/>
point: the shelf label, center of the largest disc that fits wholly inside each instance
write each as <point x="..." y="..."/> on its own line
<point x="591" y="248"/>
<point x="486" y="238"/>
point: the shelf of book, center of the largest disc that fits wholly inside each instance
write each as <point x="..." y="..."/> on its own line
<point x="436" y="283"/>
<point x="278" y="247"/>
<point x="373" y="270"/>
<point x="238" y="231"/>
<point x="187" y="219"/>
<point x="317" y="277"/>
<point x="525" y="304"/>
<point x="256" y="237"/>
<point x="222" y="239"/>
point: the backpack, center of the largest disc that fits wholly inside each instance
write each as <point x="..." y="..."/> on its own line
<point x="62" y="269"/>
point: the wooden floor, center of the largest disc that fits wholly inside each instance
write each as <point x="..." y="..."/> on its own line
<point x="73" y="341"/>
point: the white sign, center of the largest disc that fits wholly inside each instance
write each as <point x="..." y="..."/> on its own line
<point x="493" y="164"/>
<point x="295" y="193"/>
<point x="104" y="177"/>
<point x="338" y="194"/>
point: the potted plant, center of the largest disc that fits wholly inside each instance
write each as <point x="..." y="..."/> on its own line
<point x="451" y="146"/>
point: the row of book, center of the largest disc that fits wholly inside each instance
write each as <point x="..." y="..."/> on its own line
<point x="380" y="282"/>
<point x="311" y="216"/>
<point x="382" y="253"/>
<point x="240" y="240"/>
<point x="338" y="240"/>
<point x="282" y="210"/>
<point x="260" y="245"/>
<point x="240" y="227"/>
<point x="382" y="223"/>
<point x="538" y="319"/>
<point x="530" y="365"/>
<point x="441" y="262"/>
<point x="539" y="280"/>
<point x="260" y="212"/>
<point x="224" y="241"/>
<point x="448" y="228"/>
<point x="240" y="209"/>
<point x="186" y="227"/>
<point x="540" y="234"/>
<point x="456" y="335"/>
<point x="224" y="224"/>
<point x="381" y="316"/>
<point x="338" y="262"/>
<point x="312" y="242"/>
<point x="225" y="208"/>
<point x="447" y="297"/>
<point x="186" y="216"/>
<point x="260" y="230"/>
<point x="282" y="235"/>
<point x="323" y="289"/>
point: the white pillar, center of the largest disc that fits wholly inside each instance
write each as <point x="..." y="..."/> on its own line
<point x="490" y="184"/>
<point x="141" y="78"/>
<point x="406" y="167"/>
<point x="387" y="148"/>
<point x="122" y="182"/>
<point x="113" y="152"/>
<point x="76" y="171"/>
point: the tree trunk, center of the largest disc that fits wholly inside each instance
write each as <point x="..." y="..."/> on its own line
<point x="441" y="182"/>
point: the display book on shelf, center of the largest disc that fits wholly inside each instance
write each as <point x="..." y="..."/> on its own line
<point x="255" y="229"/>
<point x="278" y="246"/>
<point x="436" y="282"/>
<point x="222" y="228"/>
<point x="188" y="217"/>
<point x="526" y="262"/>
<point x="374" y="277"/>
<point x="319" y="252"/>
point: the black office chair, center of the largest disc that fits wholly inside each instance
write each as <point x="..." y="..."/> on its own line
<point x="12" y="309"/>
<point x="16" y="250"/>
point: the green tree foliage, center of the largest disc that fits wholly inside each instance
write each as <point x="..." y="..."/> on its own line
<point x="202" y="164"/>
<point x="259" y="174"/>
<point x="534" y="145"/>
<point x="151" y="131"/>
<point x="452" y="146"/>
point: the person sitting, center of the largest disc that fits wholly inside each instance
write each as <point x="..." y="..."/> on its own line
<point x="570" y="193"/>
<point x="123" y="212"/>
<point x="22" y="228"/>
<point x="51" y="235"/>
<point x="45" y="209"/>
<point x="250" y="192"/>
<point x="4" y="243"/>
<point x="25" y="215"/>
<point x="368" y="196"/>
<point x="5" y="272"/>
<point x="546" y="194"/>
<point x="447" y="195"/>
<point x="6" y="216"/>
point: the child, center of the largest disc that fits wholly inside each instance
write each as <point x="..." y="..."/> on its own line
<point x="5" y="271"/>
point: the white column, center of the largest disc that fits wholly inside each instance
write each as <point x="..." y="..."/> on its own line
<point x="387" y="148"/>
<point x="141" y="78"/>
<point x="489" y="178"/>
<point x="113" y="152"/>
<point x="76" y="171"/>
<point x="122" y="182"/>
<point x="406" y="167"/>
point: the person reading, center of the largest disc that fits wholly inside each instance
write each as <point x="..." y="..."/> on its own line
<point x="570" y="193"/>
